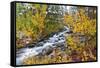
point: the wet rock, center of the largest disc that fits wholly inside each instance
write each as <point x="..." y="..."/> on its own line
<point x="47" y="50"/>
<point x="39" y="44"/>
<point x="61" y="35"/>
<point x="69" y="32"/>
<point x="63" y="48"/>
<point x="30" y="45"/>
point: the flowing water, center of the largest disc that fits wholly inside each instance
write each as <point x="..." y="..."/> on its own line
<point x="45" y="45"/>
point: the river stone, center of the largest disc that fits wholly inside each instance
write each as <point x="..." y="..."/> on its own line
<point x="47" y="50"/>
<point x="39" y="44"/>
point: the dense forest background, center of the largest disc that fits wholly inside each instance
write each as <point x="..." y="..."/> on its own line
<point x="36" y="22"/>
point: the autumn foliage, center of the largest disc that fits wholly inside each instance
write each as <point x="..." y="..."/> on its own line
<point x="82" y="27"/>
<point x="38" y="23"/>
